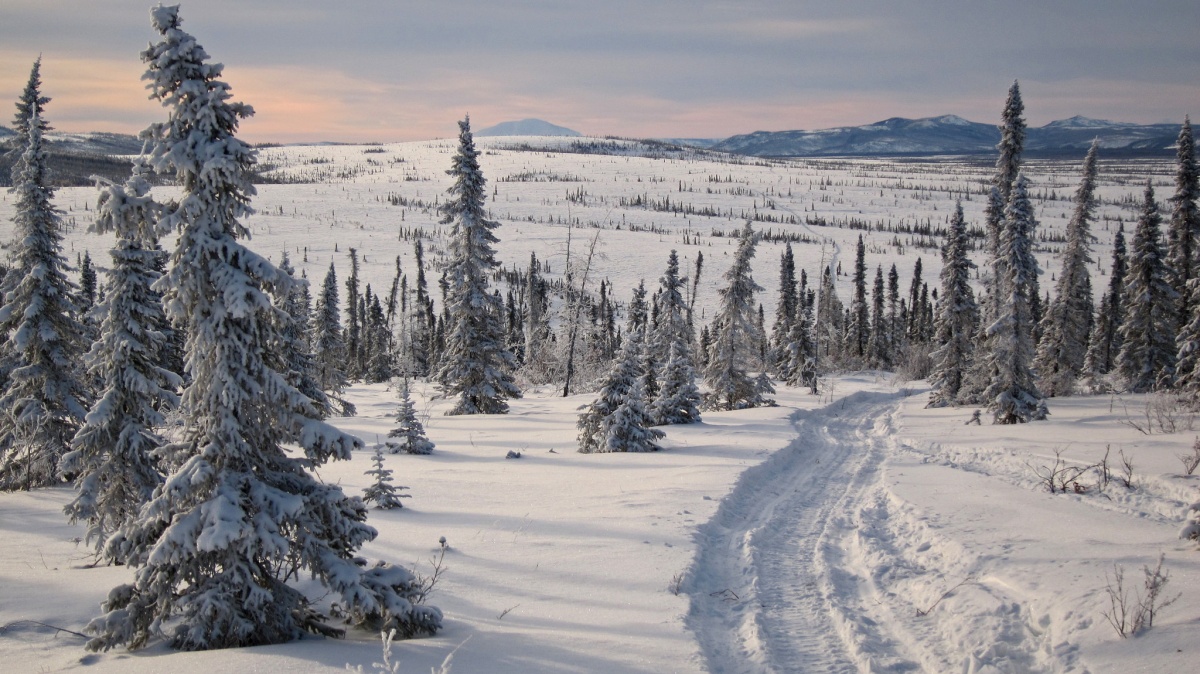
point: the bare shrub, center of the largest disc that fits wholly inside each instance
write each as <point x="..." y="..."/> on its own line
<point x="1130" y="616"/>
<point x="1126" y="469"/>
<point x="1062" y="477"/>
<point x="1164" y="413"/>
<point x="1192" y="460"/>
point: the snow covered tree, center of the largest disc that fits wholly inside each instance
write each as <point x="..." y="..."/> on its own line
<point x="859" y="330"/>
<point x="1183" y="240"/>
<point x="329" y="351"/>
<point x="43" y="398"/>
<point x="296" y="360"/>
<point x="786" y="308"/>
<point x="238" y="516"/>
<point x="877" y="346"/>
<point x="382" y="492"/>
<point x="476" y="366"/>
<point x="617" y="421"/>
<point x="1008" y="164"/>
<point x="1147" y="357"/>
<point x="735" y="334"/>
<point x="1105" y="341"/>
<point x="1068" y="321"/>
<point x="409" y="432"/>
<point x="423" y="320"/>
<point x="1012" y="395"/>
<point x="87" y="284"/>
<point x="675" y="397"/>
<point x="630" y="427"/>
<point x="31" y="107"/>
<point x="829" y="321"/>
<point x="353" y="320"/>
<point x="957" y="317"/>
<point x="112" y="455"/>
<point x="679" y="399"/>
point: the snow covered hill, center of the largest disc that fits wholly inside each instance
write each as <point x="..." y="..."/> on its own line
<point x="849" y="531"/>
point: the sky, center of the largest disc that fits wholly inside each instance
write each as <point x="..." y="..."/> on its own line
<point x="395" y="70"/>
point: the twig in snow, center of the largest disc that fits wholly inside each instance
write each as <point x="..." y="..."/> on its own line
<point x="964" y="581"/>
<point x="4" y="628"/>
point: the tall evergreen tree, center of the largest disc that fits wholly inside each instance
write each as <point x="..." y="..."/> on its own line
<point x="424" y="321"/>
<point x="593" y="423"/>
<point x="476" y="366"/>
<point x="294" y="351"/>
<point x="328" y="348"/>
<point x="354" y="320"/>
<point x="786" y="308"/>
<point x="1184" y="229"/>
<point x="1068" y="322"/>
<point x="1105" y="342"/>
<point x="31" y="107"/>
<point x="44" y="399"/>
<point x="112" y="455"/>
<point x="859" y="330"/>
<point x="87" y="284"/>
<point x="238" y="516"/>
<point x="1147" y="357"/>
<point x="830" y="320"/>
<point x="1012" y="395"/>
<point x="957" y="319"/>
<point x="736" y="337"/>
<point x="877" y="346"/>
<point x="676" y="400"/>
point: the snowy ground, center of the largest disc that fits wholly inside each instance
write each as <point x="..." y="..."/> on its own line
<point x="856" y="531"/>
<point x="806" y="537"/>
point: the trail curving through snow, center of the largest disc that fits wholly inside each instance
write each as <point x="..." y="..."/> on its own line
<point x="811" y="565"/>
<point x="764" y="590"/>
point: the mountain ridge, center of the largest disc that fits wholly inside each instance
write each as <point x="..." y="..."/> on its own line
<point x="951" y="134"/>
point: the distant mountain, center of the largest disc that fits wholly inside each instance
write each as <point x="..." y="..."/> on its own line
<point x="527" y="127"/>
<point x="950" y="134"/>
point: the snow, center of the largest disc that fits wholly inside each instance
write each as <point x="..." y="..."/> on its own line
<point x="850" y="531"/>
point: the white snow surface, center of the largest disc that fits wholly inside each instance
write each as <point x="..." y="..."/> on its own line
<point x="853" y="531"/>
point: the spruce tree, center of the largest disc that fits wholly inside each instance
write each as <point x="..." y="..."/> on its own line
<point x="736" y="337"/>
<point x="877" y="345"/>
<point x="859" y="330"/>
<point x="43" y="397"/>
<point x="382" y="492"/>
<point x="1105" y="341"/>
<point x="354" y="360"/>
<point x="957" y="317"/>
<point x="786" y="308"/>
<point x="112" y="455"/>
<point x="409" y="432"/>
<point x="630" y="427"/>
<point x="238" y="516"/>
<point x="1147" y="357"/>
<point x="1184" y="229"/>
<point x="31" y="107"/>
<point x="294" y="351"/>
<point x="476" y="368"/>
<point x="1068" y="321"/>
<point x="329" y="350"/>
<point x="1012" y="395"/>
<point x="679" y="399"/>
<point x="595" y="420"/>
<point x="829" y="320"/>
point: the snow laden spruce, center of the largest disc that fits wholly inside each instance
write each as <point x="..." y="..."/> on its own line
<point x="476" y="366"/>
<point x="44" y="393"/>
<point x="236" y="517"/>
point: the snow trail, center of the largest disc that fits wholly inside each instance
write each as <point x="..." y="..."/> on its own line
<point x="769" y="590"/>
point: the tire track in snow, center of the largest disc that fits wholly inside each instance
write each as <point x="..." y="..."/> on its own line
<point x="767" y="591"/>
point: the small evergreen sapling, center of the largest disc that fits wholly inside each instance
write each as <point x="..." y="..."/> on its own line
<point x="382" y="492"/>
<point x="408" y="430"/>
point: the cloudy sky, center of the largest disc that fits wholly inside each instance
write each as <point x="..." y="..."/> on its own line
<point x="389" y="70"/>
